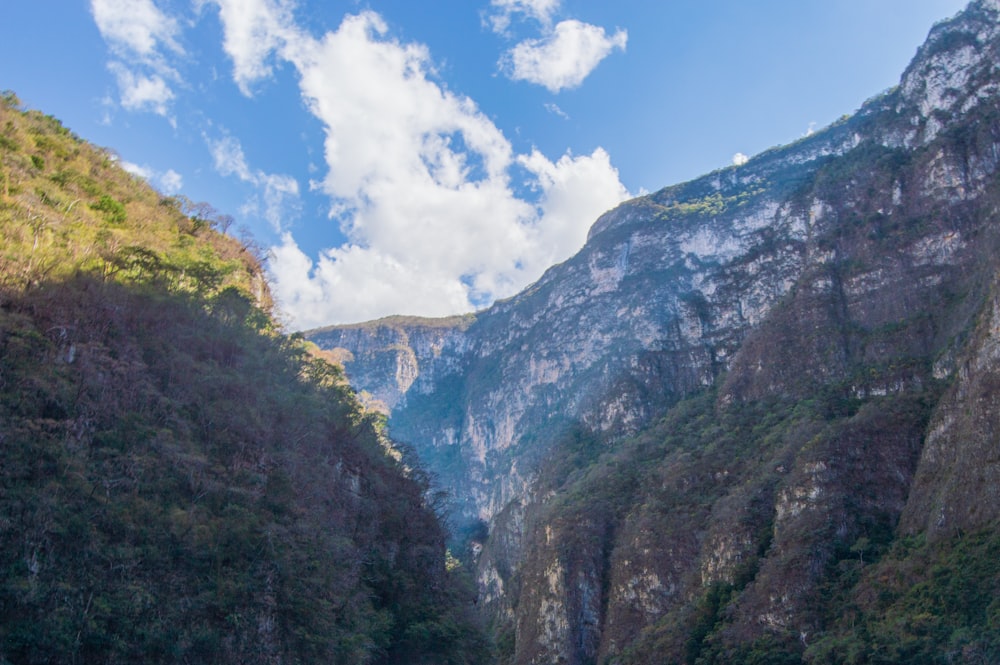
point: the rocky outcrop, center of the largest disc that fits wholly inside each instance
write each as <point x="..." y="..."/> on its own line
<point x="957" y="485"/>
<point x="682" y="430"/>
<point x="401" y="354"/>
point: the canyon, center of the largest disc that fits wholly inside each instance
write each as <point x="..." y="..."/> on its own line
<point x="734" y="422"/>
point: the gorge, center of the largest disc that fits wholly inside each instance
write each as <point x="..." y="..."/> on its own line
<point x="755" y="418"/>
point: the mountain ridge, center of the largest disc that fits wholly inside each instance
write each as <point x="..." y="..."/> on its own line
<point x="611" y="266"/>
<point x="811" y="308"/>
<point x="180" y="481"/>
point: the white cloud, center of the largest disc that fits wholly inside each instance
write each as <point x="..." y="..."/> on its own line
<point x="143" y="172"/>
<point x="135" y="27"/>
<point x="277" y="195"/>
<point x="140" y="92"/>
<point x="453" y="263"/>
<point x="342" y="284"/>
<point x="139" y="34"/>
<point x="555" y="110"/>
<point x="739" y="159"/>
<point x="254" y="30"/>
<point x="563" y="58"/>
<point x="168" y="182"/>
<point x="419" y="181"/>
<point x="229" y="158"/>
<point x="575" y="191"/>
<point x="504" y="11"/>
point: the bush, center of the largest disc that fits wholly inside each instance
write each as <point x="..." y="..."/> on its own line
<point x="113" y="210"/>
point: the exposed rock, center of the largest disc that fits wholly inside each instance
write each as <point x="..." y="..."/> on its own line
<point x="795" y="319"/>
<point x="957" y="486"/>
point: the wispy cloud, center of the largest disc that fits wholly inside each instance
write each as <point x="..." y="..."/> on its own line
<point x="142" y="92"/>
<point x="255" y="30"/>
<point x="276" y="198"/>
<point x="168" y="182"/>
<point x="141" y="38"/>
<point x="504" y="11"/>
<point x="555" y="110"/>
<point x="564" y="57"/>
<point x="136" y="27"/>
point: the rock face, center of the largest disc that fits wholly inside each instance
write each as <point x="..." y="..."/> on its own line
<point x="676" y="435"/>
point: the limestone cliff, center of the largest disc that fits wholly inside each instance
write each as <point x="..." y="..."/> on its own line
<point x="681" y="437"/>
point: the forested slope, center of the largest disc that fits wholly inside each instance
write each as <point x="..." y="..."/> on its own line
<point x="180" y="481"/>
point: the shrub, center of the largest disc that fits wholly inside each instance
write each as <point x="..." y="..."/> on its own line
<point x="113" y="210"/>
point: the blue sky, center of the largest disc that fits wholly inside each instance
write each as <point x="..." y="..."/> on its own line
<point x="429" y="157"/>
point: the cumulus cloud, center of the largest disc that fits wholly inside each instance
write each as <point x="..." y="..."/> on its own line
<point x="563" y="58"/>
<point x="168" y="182"/>
<point x="739" y="159"/>
<point x="277" y="196"/>
<point x="141" y="37"/>
<point x="143" y="172"/>
<point x="575" y="190"/>
<point x="420" y="184"/>
<point x="447" y="258"/>
<point x="339" y="286"/>
<point x="420" y="181"/>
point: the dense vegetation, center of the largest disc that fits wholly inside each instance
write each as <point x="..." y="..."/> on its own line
<point x="761" y="520"/>
<point x="180" y="481"/>
<point x="875" y="597"/>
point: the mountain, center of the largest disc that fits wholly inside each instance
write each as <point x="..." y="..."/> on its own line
<point x="755" y="418"/>
<point x="180" y="482"/>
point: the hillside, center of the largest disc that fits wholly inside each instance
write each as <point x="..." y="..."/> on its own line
<point x="754" y="419"/>
<point x="179" y="481"/>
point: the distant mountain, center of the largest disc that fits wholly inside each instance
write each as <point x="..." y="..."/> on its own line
<point x="755" y="419"/>
<point x="179" y="481"/>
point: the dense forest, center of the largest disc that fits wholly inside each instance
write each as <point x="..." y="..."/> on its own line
<point x="180" y="480"/>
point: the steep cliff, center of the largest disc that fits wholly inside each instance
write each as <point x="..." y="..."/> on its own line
<point x="692" y="440"/>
